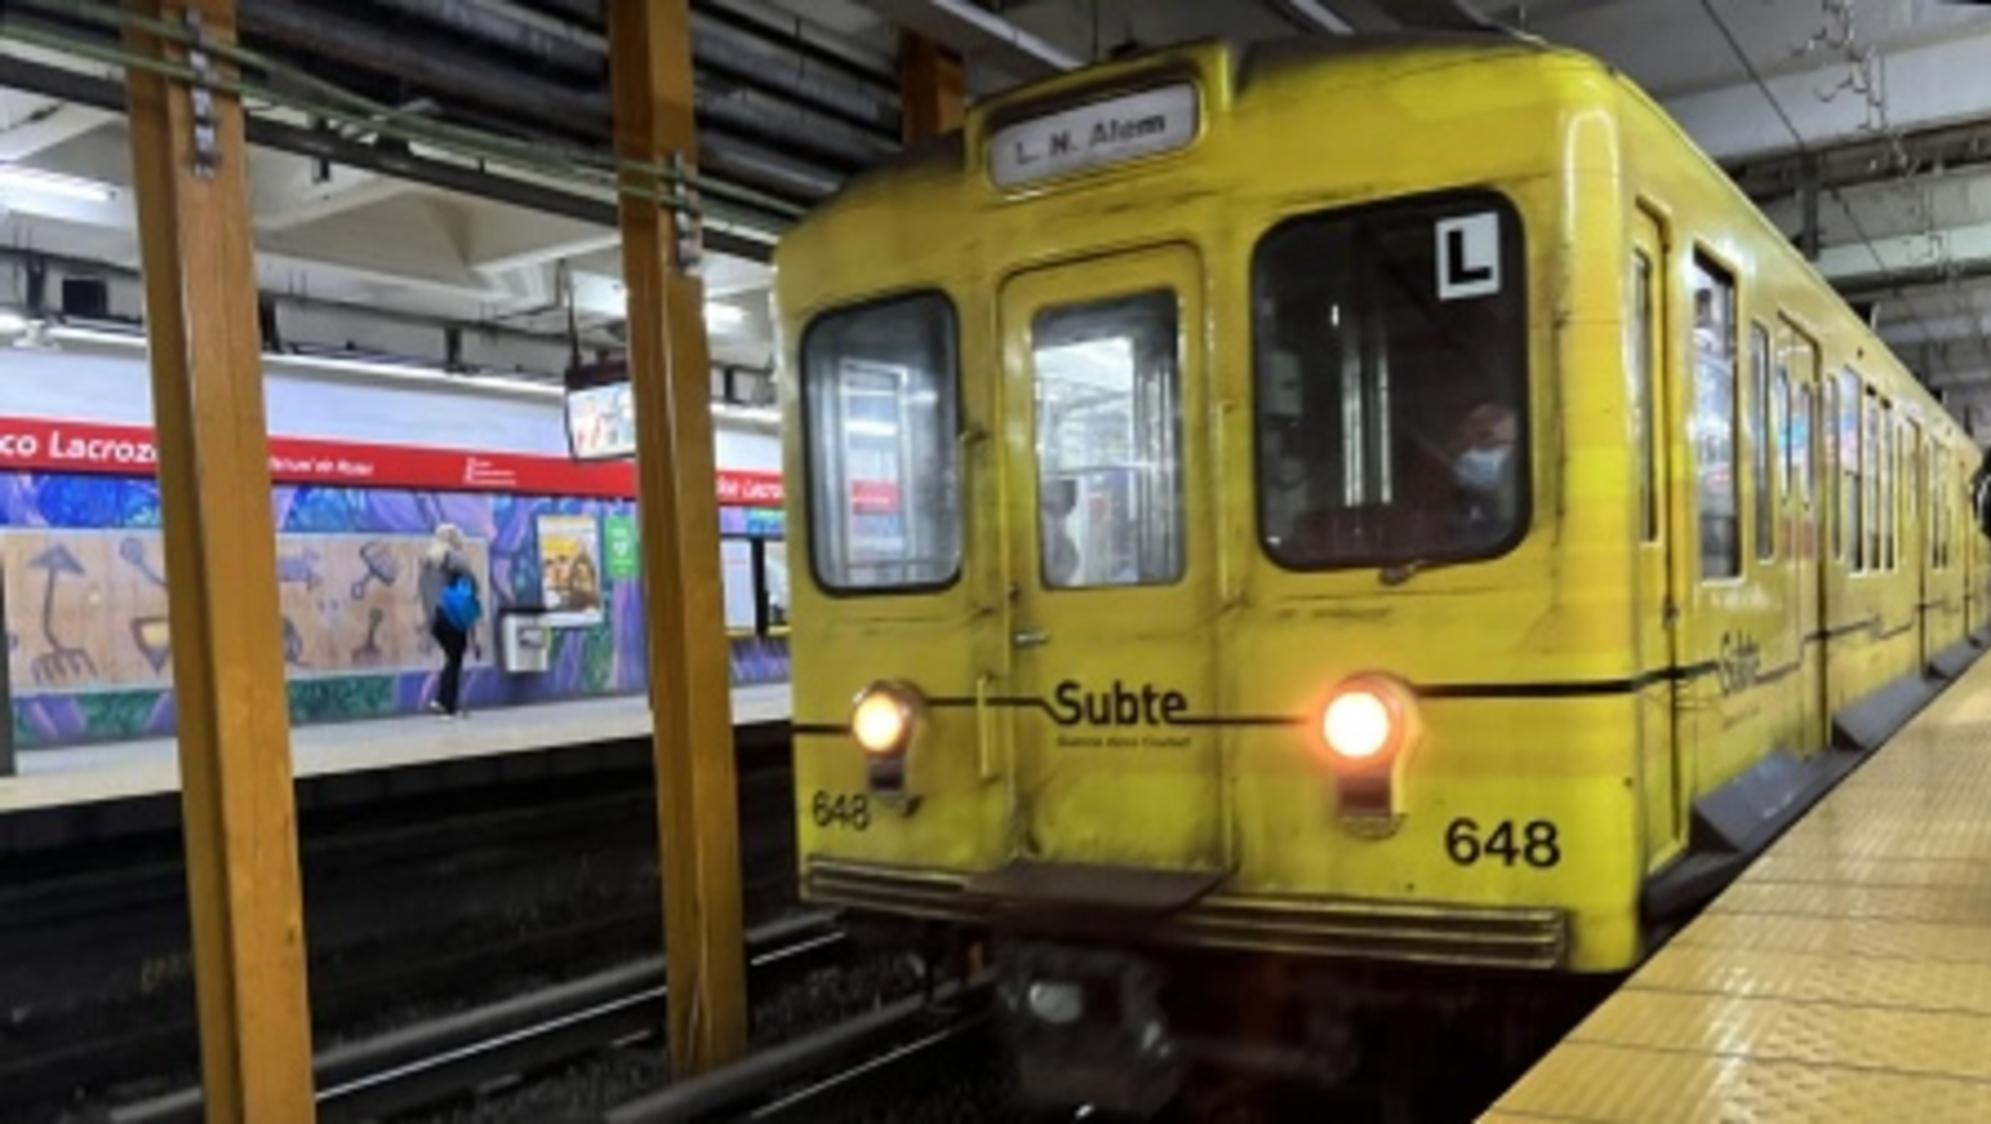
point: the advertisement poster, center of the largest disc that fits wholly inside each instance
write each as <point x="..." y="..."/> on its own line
<point x="775" y="562"/>
<point x="601" y="422"/>
<point x="570" y="569"/>
<point x="736" y="575"/>
<point x="620" y="547"/>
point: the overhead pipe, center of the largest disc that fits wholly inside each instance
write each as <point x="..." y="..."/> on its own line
<point x="359" y="44"/>
<point x="401" y="164"/>
<point x="776" y="67"/>
<point x="746" y="58"/>
<point x="820" y="140"/>
<point x="494" y="26"/>
<point x="798" y="33"/>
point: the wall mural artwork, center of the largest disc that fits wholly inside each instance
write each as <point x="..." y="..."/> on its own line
<point x="86" y="609"/>
<point x="90" y="649"/>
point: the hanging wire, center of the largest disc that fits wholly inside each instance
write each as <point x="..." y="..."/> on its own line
<point x="1866" y="78"/>
<point x="1840" y="30"/>
<point x="1805" y="149"/>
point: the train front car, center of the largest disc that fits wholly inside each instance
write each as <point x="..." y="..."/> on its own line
<point x="1218" y="494"/>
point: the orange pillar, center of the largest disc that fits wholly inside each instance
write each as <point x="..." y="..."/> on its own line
<point x="190" y="164"/>
<point x="933" y="88"/>
<point x="671" y="376"/>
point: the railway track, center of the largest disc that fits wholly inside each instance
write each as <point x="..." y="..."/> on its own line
<point x="831" y="1072"/>
<point x="413" y="904"/>
<point x="453" y="1056"/>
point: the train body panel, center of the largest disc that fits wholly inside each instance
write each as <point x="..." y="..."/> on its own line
<point x="1115" y="670"/>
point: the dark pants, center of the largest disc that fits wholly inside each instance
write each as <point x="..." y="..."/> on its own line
<point x="453" y="641"/>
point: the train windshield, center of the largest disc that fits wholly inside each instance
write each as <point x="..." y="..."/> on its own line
<point x="881" y="405"/>
<point x="1391" y="358"/>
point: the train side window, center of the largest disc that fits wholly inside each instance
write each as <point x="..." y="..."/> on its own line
<point x="1109" y="442"/>
<point x="1870" y="460"/>
<point x="1851" y="499"/>
<point x="1714" y="422"/>
<point x="1762" y="439"/>
<point x="881" y="413"/>
<point x="1828" y="463"/>
<point x="1640" y="340"/>
<point x="1800" y="437"/>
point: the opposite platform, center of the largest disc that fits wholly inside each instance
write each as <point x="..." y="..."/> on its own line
<point x="52" y="778"/>
<point x="1846" y="975"/>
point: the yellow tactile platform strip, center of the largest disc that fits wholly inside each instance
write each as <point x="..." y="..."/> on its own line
<point x="1846" y="976"/>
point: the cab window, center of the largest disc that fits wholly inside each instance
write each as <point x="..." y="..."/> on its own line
<point x="881" y="410"/>
<point x="1391" y="380"/>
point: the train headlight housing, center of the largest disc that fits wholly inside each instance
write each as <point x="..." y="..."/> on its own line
<point x="1367" y="721"/>
<point x="1367" y="724"/>
<point x="1357" y="725"/>
<point x="884" y="720"/>
<point x="883" y="717"/>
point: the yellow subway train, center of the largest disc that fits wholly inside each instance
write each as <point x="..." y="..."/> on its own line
<point x="1336" y="502"/>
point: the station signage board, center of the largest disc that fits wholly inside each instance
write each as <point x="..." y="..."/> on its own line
<point x="1096" y="135"/>
<point x="56" y="445"/>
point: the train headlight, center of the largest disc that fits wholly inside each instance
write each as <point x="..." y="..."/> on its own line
<point x="1367" y="721"/>
<point x="883" y="718"/>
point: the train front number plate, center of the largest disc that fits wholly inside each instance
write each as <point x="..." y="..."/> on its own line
<point x="1093" y="136"/>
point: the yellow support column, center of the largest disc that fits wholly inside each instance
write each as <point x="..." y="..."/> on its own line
<point x="190" y="166"/>
<point x="670" y="372"/>
<point x="933" y="88"/>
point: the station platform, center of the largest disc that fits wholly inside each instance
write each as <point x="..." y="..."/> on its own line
<point x="1846" y="975"/>
<point x="125" y="771"/>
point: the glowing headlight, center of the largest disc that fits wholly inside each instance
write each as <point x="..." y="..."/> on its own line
<point x="1366" y="720"/>
<point x="882" y="721"/>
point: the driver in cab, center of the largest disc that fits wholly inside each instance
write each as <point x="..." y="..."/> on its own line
<point x="1484" y="471"/>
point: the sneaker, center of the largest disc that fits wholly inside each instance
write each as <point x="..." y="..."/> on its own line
<point x="436" y="708"/>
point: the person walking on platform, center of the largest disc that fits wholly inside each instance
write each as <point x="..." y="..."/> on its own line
<point x="449" y="599"/>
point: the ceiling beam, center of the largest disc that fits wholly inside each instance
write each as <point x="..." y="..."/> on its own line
<point x="43" y="124"/>
<point x="1863" y="161"/>
<point x="975" y="31"/>
<point x="1877" y="285"/>
<point x="1927" y="84"/>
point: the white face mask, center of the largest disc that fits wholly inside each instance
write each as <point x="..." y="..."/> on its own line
<point x="1479" y="470"/>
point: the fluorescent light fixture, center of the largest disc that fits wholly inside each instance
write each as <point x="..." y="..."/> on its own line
<point x="17" y="177"/>
<point x="723" y="317"/>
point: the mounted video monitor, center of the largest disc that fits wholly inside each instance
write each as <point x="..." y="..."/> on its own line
<point x="601" y="416"/>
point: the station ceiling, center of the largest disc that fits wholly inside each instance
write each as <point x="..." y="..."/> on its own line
<point x="1886" y="106"/>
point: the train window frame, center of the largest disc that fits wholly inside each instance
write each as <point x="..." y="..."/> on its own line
<point x="1642" y="342"/>
<point x="1828" y="463"/>
<point x="1727" y="333"/>
<point x="964" y="515"/>
<point x="1761" y="435"/>
<point x="1515" y="275"/>
<point x="1852" y="453"/>
<point x="1176" y="547"/>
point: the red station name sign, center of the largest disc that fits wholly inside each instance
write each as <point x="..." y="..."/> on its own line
<point x="50" y="445"/>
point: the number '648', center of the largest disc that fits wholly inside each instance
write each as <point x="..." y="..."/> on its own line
<point x="1535" y="843"/>
<point x="851" y="811"/>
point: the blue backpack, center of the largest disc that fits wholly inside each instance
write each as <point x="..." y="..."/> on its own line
<point x="459" y="603"/>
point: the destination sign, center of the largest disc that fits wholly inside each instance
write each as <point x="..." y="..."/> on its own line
<point x="1092" y="136"/>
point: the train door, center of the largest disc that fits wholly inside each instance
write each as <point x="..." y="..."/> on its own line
<point x="1651" y="389"/>
<point x="1110" y="501"/>
<point x="1806" y="502"/>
